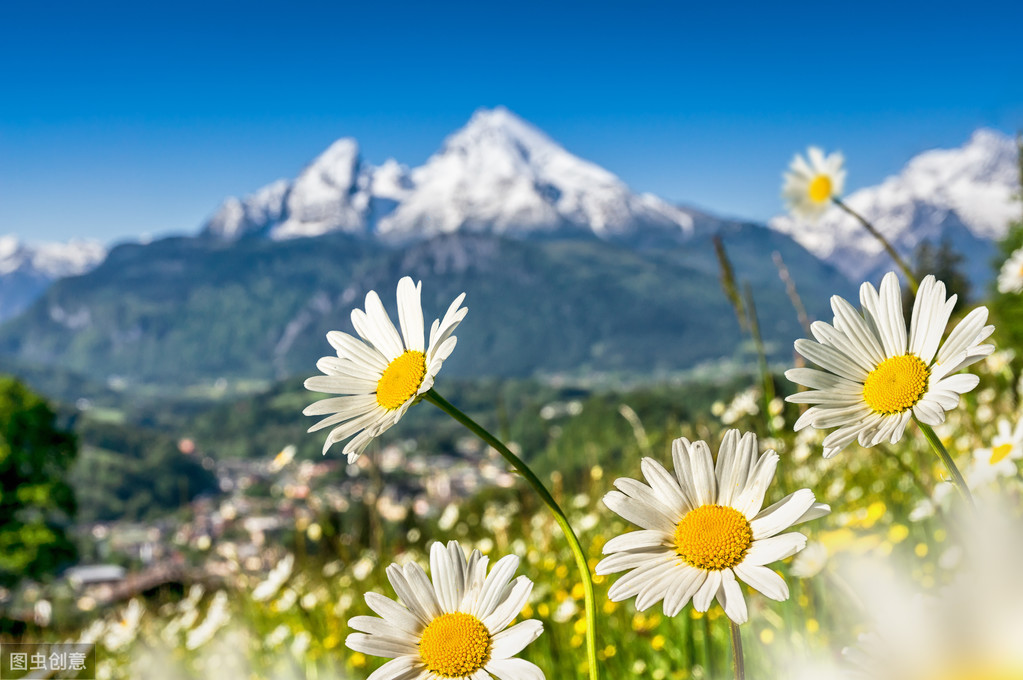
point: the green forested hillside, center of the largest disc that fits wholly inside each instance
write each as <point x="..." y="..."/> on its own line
<point x="188" y="310"/>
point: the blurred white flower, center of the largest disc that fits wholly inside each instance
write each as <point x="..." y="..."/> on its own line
<point x="746" y="403"/>
<point x="448" y="517"/>
<point x="810" y="186"/>
<point x="42" y="612"/>
<point x="281" y="460"/>
<point x="999" y="460"/>
<point x="970" y="630"/>
<point x="286" y="601"/>
<point x="217" y="617"/>
<point x="1000" y="360"/>
<point x="124" y="631"/>
<point x="1010" y="278"/>
<point x="363" y="568"/>
<point x="300" y="644"/>
<point x="811" y="561"/>
<point x="565" y="611"/>
<point x="93" y="632"/>
<point x="274" y="580"/>
<point x="277" y="636"/>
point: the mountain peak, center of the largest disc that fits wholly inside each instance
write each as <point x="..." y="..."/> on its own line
<point x="498" y="125"/>
<point x="497" y="117"/>
<point x="501" y="174"/>
<point x="341" y="153"/>
<point x="988" y="138"/>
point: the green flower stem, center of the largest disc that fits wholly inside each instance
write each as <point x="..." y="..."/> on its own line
<point x="737" y="660"/>
<point x="884" y="242"/>
<point x="943" y="454"/>
<point x="765" y="372"/>
<point x="559" y="517"/>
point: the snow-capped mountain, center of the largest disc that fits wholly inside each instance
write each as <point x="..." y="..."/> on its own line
<point x="497" y="174"/>
<point x="501" y="174"/>
<point x="964" y="195"/>
<point x="27" y="269"/>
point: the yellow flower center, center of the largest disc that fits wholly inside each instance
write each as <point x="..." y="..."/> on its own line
<point x="455" y="645"/>
<point x="999" y="453"/>
<point x="401" y="379"/>
<point x="713" y="537"/>
<point x="896" y="384"/>
<point x="820" y="188"/>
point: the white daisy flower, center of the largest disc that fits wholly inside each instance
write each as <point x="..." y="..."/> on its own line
<point x="704" y="527"/>
<point x="1010" y="278"/>
<point x="874" y="377"/>
<point x="810" y="186"/>
<point x="454" y="627"/>
<point x="1000" y="459"/>
<point x="382" y="374"/>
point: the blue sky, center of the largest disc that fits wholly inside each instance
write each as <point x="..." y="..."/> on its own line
<point x="124" y="119"/>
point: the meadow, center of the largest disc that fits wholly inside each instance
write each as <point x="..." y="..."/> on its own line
<point x="285" y="553"/>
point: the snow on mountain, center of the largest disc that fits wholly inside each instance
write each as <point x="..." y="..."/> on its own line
<point x="53" y="260"/>
<point x="501" y="174"/>
<point x="236" y="218"/>
<point x="26" y="270"/>
<point x="963" y="194"/>
<point x="329" y="195"/>
<point x="497" y="174"/>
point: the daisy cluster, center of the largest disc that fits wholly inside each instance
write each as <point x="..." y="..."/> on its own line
<point x="703" y="525"/>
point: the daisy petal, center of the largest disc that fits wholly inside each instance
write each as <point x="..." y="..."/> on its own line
<point x="751" y="499"/>
<point x="731" y="599"/>
<point x="511" y="641"/>
<point x="377" y="645"/>
<point x="514" y="600"/>
<point x="782" y="514"/>
<point x="410" y="314"/>
<point x="685" y="586"/>
<point x="707" y="592"/>
<point x="765" y="580"/>
<point x="768" y="550"/>
<point x="514" y="669"/>
<point x="401" y="668"/>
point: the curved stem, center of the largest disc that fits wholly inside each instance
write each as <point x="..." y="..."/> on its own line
<point x="946" y="458"/>
<point x="884" y="242"/>
<point x="737" y="659"/>
<point x="559" y="517"/>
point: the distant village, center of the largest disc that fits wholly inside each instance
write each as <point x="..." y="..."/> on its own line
<point x="264" y="509"/>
